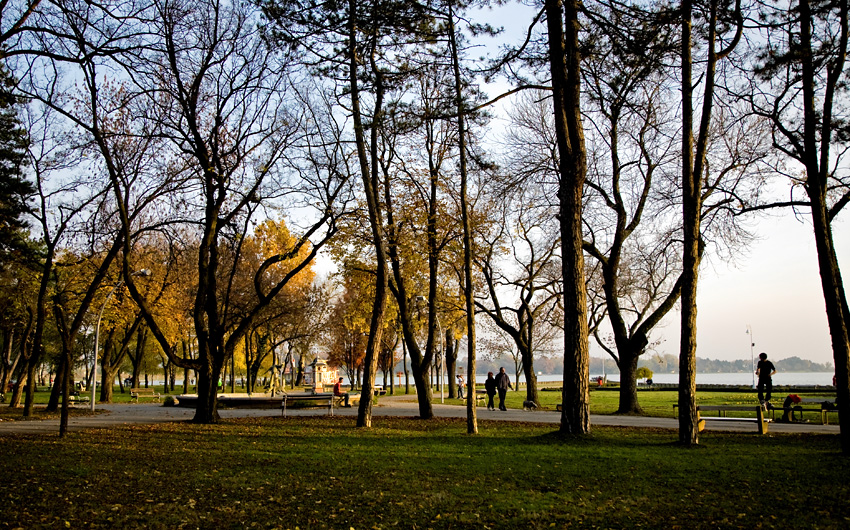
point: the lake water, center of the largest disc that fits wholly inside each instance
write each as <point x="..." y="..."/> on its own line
<point x="742" y="378"/>
<point x="737" y="379"/>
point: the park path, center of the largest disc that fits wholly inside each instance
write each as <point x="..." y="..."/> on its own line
<point x="148" y="413"/>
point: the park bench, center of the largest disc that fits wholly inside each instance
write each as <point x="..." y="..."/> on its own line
<point x="136" y="393"/>
<point x="72" y="399"/>
<point x="353" y="399"/>
<point x="760" y="420"/>
<point x="325" y="399"/>
<point x="824" y="407"/>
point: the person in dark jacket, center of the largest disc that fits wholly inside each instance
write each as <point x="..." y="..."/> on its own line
<point x="765" y="371"/>
<point x="503" y="383"/>
<point x="490" y="389"/>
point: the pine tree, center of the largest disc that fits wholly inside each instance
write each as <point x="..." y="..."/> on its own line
<point x="14" y="188"/>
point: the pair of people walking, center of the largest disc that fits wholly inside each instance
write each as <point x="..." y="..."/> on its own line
<point x="499" y="384"/>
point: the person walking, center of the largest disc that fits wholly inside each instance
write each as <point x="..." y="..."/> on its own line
<point x="459" y="386"/>
<point x="765" y="371"/>
<point x="490" y="389"/>
<point x="503" y="383"/>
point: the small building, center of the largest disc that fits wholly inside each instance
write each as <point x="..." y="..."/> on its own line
<point x="319" y="375"/>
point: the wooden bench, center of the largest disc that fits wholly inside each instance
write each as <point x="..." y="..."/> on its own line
<point x="353" y="399"/>
<point x="77" y="399"/>
<point x="136" y="393"/>
<point x="325" y="399"/>
<point x="760" y="420"/>
<point x="825" y="406"/>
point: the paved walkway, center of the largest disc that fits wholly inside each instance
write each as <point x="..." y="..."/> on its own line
<point x="147" y="413"/>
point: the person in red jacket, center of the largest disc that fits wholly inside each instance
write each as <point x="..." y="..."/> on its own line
<point x="339" y="393"/>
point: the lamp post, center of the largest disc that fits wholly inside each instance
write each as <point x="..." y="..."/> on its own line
<point x="752" y="354"/>
<point x="142" y="272"/>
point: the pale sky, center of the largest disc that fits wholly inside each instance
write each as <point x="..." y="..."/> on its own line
<point x="776" y="290"/>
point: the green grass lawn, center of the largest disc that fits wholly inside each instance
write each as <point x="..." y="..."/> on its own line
<point x="654" y="402"/>
<point x="323" y="472"/>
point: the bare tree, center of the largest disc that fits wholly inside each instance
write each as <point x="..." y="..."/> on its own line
<point x="520" y="267"/>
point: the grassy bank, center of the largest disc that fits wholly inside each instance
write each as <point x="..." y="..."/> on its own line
<point x="322" y="472"/>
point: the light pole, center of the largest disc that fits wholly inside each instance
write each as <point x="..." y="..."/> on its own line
<point x="142" y="272"/>
<point x="752" y="354"/>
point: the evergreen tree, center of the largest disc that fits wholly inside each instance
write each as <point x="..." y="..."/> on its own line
<point x="14" y="188"/>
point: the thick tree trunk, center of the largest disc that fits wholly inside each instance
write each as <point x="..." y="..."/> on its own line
<point x="835" y="298"/>
<point x="206" y="411"/>
<point x="530" y="376"/>
<point x="837" y="313"/>
<point x="107" y="380"/>
<point x="692" y="169"/>
<point x="628" y="384"/>
<point x="564" y="59"/>
<point x="58" y="386"/>
<point x="423" y="391"/>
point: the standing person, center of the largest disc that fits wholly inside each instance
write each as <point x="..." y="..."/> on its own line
<point x="503" y="383"/>
<point x="490" y="389"/>
<point x="459" y="386"/>
<point x="339" y="393"/>
<point x="765" y="371"/>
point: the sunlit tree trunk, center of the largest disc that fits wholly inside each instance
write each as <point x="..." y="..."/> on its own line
<point x="564" y="60"/>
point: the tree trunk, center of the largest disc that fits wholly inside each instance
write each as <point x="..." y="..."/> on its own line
<point x="628" y="384"/>
<point x="564" y="60"/>
<point x="837" y="313"/>
<point x="423" y="392"/>
<point x="206" y="411"/>
<point x="688" y="428"/>
<point x="369" y="176"/>
<point x="451" y="362"/>
<point x="58" y="386"/>
<point x="17" y="392"/>
<point x="835" y="300"/>
<point x="136" y="361"/>
<point x="66" y="391"/>
<point x="8" y="363"/>
<point x="404" y="363"/>
<point x="530" y="376"/>
<point x="107" y="379"/>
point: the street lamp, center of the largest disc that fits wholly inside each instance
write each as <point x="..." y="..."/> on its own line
<point x="142" y="272"/>
<point x="752" y="354"/>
